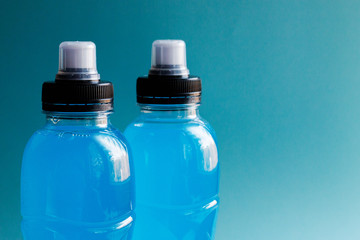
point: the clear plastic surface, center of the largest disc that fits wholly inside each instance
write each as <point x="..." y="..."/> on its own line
<point x="77" y="181"/>
<point x="177" y="174"/>
<point x="77" y="61"/>
<point x="168" y="57"/>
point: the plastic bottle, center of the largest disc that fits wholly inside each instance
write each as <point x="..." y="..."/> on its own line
<point x="76" y="179"/>
<point x="175" y="152"/>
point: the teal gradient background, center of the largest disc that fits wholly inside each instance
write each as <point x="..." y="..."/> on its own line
<point x="281" y="84"/>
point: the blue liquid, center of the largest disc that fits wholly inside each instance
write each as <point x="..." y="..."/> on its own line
<point x="177" y="174"/>
<point x="76" y="183"/>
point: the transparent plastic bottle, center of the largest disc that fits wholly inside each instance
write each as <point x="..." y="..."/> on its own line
<point x="175" y="152"/>
<point x="76" y="179"/>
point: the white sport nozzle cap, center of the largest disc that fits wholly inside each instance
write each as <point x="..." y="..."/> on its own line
<point x="168" y="57"/>
<point x="77" y="61"/>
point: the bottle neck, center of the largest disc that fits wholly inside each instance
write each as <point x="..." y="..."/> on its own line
<point x="78" y="119"/>
<point x="169" y="111"/>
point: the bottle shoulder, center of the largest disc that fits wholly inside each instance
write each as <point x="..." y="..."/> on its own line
<point x="105" y="139"/>
<point x="196" y="131"/>
<point x="210" y="129"/>
<point x="193" y="139"/>
<point x="73" y="149"/>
